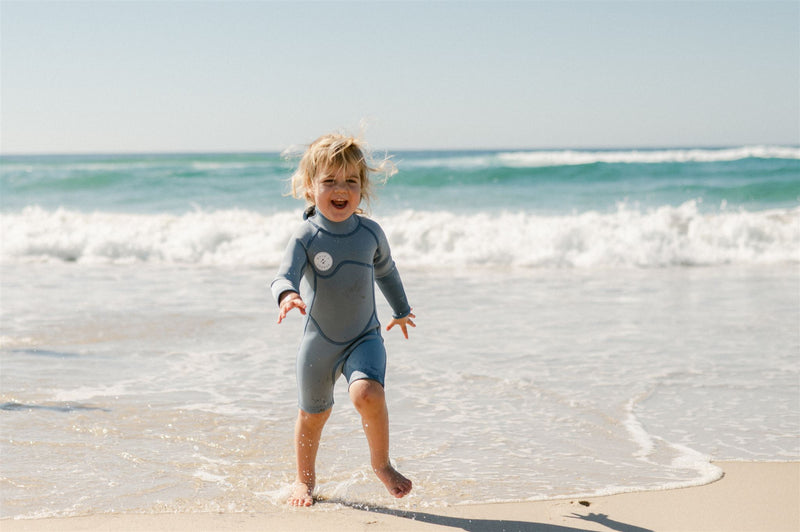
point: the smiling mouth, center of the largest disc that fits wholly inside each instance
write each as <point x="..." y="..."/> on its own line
<point x="339" y="204"/>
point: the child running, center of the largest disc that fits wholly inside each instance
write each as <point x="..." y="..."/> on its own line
<point x="328" y="273"/>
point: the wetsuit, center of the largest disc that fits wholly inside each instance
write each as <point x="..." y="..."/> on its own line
<point x="334" y="267"/>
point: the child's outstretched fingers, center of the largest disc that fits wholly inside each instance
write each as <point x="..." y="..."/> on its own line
<point x="403" y="323"/>
<point x="290" y="302"/>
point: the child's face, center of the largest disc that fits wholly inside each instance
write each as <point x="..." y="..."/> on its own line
<point x="337" y="193"/>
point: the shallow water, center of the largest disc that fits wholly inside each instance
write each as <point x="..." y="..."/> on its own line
<point x="168" y="388"/>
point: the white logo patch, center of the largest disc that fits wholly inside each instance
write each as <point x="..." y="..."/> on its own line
<point x="323" y="261"/>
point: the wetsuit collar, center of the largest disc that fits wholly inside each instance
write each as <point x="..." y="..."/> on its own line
<point x="337" y="228"/>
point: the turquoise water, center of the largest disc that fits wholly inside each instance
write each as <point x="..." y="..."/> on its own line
<point x="754" y="178"/>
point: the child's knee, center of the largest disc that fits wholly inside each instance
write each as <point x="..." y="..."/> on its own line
<point x="309" y="419"/>
<point x="365" y="393"/>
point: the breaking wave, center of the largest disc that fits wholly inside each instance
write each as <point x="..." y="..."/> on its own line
<point x="634" y="237"/>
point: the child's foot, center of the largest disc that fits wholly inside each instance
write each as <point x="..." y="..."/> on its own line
<point x="301" y="495"/>
<point x="398" y="485"/>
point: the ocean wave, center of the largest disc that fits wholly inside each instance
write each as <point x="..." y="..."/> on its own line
<point x="224" y="237"/>
<point x="633" y="237"/>
<point x="550" y="158"/>
<point x="112" y="162"/>
<point x="574" y="157"/>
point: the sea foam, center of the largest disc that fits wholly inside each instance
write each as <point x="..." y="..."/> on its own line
<point x="630" y="236"/>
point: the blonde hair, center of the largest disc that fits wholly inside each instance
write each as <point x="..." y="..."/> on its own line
<point x="337" y="151"/>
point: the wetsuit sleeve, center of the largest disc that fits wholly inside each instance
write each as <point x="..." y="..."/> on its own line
<point x="388" y="278"/>
<point x="291" y="269"/>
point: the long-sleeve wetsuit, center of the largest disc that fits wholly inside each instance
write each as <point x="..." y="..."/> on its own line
<point x="334" y="266"/>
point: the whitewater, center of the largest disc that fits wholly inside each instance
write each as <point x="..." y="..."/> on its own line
<point x="665" y="236"/>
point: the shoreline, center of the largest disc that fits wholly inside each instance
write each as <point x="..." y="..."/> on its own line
<point x="751" y="496"/>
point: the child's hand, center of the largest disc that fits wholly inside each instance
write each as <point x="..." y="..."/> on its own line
<point x="402" y="322"/>
<point x="288" y="302"/>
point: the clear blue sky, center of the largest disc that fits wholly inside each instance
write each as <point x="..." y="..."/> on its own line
<point x="260" y="76"/>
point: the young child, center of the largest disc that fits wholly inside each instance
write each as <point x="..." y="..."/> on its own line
<point x="329" y="272"/>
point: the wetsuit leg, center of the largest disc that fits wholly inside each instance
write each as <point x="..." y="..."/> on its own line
<point x="367" y="359"/>
<point x="317" y="360"/>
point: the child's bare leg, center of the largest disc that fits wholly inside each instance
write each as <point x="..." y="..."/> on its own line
<point x="368" y="398"/>
<point x="307" y="433"/>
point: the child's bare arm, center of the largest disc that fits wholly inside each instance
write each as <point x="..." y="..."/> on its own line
<point x="403" y="323"/>
<point x="290" y="300"/>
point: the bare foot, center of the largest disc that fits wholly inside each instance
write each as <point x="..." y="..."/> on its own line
<point x="301" y="495"/>
<point x="398" y="485"/>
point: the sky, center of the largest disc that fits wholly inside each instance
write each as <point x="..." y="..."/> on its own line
<point x="137" y="76"/>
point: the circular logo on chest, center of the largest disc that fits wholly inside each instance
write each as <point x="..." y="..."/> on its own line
<point x="323" y="261"/>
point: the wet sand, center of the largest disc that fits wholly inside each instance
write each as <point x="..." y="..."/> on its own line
<point x="752" y="496"/>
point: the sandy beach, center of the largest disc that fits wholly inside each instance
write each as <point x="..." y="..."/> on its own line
<point x="752" y="496"/>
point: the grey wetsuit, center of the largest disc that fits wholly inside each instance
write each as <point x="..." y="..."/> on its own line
<point x="334" y="267"/>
